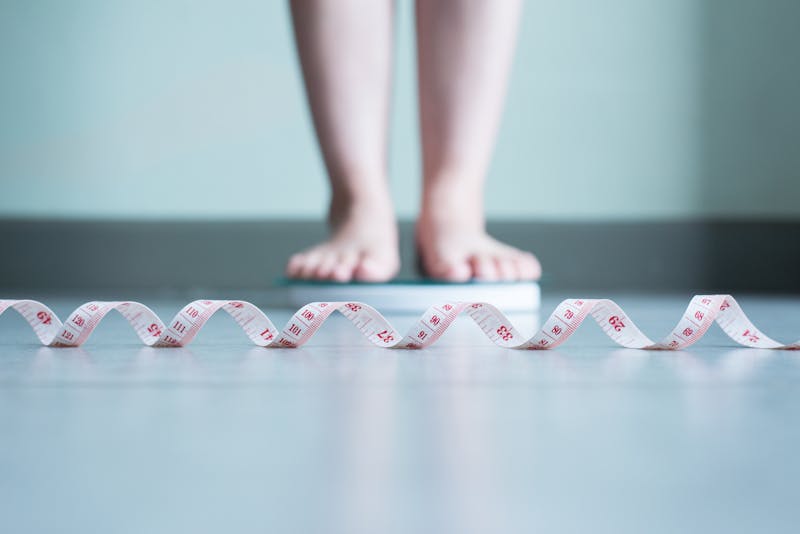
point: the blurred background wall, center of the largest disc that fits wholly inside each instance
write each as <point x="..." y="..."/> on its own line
<point x="647" y="144"/>
<point x="618" y="110"/>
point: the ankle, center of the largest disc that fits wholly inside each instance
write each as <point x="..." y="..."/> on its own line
<point x="361" y="215"/>
<point x="372" y="202"/>
<point x="452" y="202"/>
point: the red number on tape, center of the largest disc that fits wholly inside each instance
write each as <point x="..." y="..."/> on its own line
<point x="385" y="336"/>
<point x="504" y="333"/>
<point x="44" y="317"/>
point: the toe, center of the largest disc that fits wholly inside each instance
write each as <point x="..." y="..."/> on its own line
<point x="309" y="266"/>
<point x="293" y="266"/>
<point x="484" y="267"/>
<point x="448" y="270"/>
<point x="529" y="267"/>
<point x="325" y="267"/>
<point x="345" y="265"/>
<point x="506" y="268"/>
<point x="524" y="272"/>
<point x="458" y="271"/>
<point x="373" y="268"/>
<point x="435" y="269"/>
<point x="455" y="271"/>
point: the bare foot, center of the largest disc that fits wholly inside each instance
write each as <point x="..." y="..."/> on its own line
<point x="454" y="246"/>
<point x="363" y="244"/>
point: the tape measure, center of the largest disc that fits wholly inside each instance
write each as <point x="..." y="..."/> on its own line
<point x="702" y="312"/>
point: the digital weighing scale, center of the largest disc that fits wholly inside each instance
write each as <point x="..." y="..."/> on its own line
<point x="411" y="295"/>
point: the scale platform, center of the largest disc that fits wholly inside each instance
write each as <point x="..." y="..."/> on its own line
<point x="412" y="295"/>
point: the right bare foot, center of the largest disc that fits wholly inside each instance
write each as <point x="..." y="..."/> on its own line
<point x="363" y="245"/>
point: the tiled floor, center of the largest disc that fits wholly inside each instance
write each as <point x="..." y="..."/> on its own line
<point x="343" y="437"/>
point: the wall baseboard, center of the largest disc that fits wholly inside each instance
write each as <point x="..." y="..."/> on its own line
<point x="653" y="256"/>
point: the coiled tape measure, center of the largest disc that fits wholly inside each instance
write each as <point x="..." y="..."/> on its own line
<point x="702" y="312"/>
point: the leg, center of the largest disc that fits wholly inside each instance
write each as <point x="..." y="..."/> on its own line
<point x="465" y="48"/>
<point x="345" y="52"/>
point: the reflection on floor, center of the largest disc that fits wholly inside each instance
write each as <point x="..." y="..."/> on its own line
<point x="343" y="437"/>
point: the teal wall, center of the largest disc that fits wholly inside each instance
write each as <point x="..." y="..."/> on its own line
<point x="621" y="109"/>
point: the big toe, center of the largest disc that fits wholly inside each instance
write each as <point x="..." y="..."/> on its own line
<point x="302" y="265"/>
<point x="293" y="265"/>
<point x="449" y="270"/>
<point x="344" y="268"/>
<point x="485" y="267"/>
<point x="507" y="269"/>
<point x="325" y="267"/>
<point x="373" y="268"/>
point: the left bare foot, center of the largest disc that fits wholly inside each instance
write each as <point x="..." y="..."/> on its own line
<point x="453" y="246"/>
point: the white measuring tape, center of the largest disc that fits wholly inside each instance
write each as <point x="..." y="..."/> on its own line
<point x="702" y="311"/>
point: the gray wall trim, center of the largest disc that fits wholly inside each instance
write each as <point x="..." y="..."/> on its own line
<point x="158" y="255"/>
